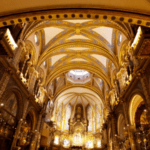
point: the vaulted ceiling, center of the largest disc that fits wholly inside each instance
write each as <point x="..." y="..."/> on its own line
<point x="93" y="45"/>
<point x="90" y="36"/>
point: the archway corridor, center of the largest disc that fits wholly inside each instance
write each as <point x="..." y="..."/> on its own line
<point x="74" y="78"/>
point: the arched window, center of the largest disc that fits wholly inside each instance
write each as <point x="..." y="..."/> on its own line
<point x="89" y="117"/>
<point x="89" y="144"/>
<point x="119" y="38"/>
<point x="97" y="117"/>
<point x="68" y="115"/>
<point x="59" y="115"/>
<point x="10" y="111"/>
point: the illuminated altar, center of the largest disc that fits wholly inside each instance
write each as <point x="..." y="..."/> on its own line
<point x="75" y="130"/>
<point x="77" y="139"/>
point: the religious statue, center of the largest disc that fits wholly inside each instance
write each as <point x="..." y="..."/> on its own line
<point x="129" y="66"/>
<point x="117" y="89"/>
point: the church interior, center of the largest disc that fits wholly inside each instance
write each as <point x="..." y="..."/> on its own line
<point x="75" y="75"/>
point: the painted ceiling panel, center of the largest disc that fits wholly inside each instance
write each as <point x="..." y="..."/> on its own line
<point x="65" y="98"/>
<point x="78" y="48"/>
<point x="105" y="32"/>
<point x="73" y="94"/>
<point x="93" y="98"/>
<point x="102" y="59"/>
<point x="51" y="32"/>
<point x="75" y="99"/>
<point x="56" y="58"/>
<point x="85" y="102"/>
<point x="78" y="37"/>
<point x="79" y="59"/>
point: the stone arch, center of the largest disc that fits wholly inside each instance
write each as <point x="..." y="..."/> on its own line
<point x="136" y="100"/>
<point x="19" y="97"/>
<point x="32" y="113"/>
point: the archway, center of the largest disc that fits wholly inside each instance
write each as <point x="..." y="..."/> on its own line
<point x="8" y="119"/>
<point x="27" y="129"/>
<point x="134" y="104"/>
<point x="138" y="112"/>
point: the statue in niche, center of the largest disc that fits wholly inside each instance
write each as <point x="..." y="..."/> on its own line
<point x="117" y="88"/>
<point x="79" y="109"/>
<point x="128" y="63"/>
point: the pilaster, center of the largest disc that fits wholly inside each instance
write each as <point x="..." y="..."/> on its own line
<point x="19" y="125"/>
<point x="130" y="129"/>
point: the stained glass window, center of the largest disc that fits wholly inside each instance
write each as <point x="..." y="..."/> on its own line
<point x="54" y="112"/>
<point x="89" y="144"/>
<point x="97" y="117"/>
<point x="98" y="143"/>
<point x="11" y="106"/>
<point x="119" y="38"/>
<point x="65" y="142"/>
<point x="56" y="140"/>
<point x="89" y="117"/>
<point x="59" y="115"/>
<point x="68" y="115"/>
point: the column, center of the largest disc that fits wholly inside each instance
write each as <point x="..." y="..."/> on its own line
<point x="40" y="131"/>
<point x="107" y="133"/>
<point x="129" y="128"/>
<point x="19" y="125"/>
<point x="114" y="132"/>
<point x="106" y="128"/>
<point x="145" y="85"/>
<point x="36" y="133"/>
